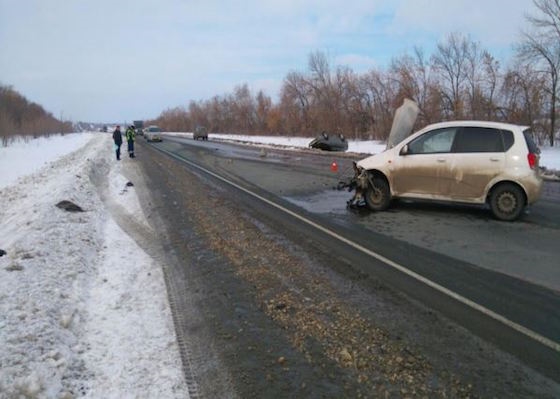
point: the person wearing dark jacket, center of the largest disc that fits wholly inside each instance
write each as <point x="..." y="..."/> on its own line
<point x="117" y="138"/>
<point x="130" y="140"/>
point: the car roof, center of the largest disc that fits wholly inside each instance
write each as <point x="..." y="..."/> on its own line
<point x="495" y="125"/>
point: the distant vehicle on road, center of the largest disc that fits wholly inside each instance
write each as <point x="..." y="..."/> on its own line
<point x="330" y="142"/>
<point x="200" y="132"/>
<point x="152" y="133"/>
<point x="139" y="127"/>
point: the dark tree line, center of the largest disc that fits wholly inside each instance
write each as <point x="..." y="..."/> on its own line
<point x="20" y="117"/>
<point x="460" y="80"/>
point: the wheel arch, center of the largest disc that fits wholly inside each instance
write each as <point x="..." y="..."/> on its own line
<point x="502" y="182"/>
<point x="376" y="173"/>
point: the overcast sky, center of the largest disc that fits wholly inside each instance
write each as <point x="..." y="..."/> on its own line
<point x="119" y="60"/>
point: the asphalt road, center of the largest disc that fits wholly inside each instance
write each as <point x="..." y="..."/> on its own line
<point x="507" y="268"/>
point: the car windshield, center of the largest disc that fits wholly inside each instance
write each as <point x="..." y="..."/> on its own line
<point x="154" y="129"/>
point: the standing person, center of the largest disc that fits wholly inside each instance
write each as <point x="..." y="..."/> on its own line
<point x="117" y="138"/>
<point x="130" y="140"/>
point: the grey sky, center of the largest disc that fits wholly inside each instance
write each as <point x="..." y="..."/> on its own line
<point x="116" y="60"/>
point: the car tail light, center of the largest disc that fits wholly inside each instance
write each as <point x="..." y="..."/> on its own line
<point x="532" y="158"/>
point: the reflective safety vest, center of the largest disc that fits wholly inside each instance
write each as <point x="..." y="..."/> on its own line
<point x="130" y="134"/>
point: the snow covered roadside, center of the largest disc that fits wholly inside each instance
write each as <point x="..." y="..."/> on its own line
<point x="83" y="309"/>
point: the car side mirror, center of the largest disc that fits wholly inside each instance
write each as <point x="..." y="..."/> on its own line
<point x="404" y="150"/>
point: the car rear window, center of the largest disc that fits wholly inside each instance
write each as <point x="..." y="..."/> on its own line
<point x="530" y="142"/>
<point x="478" y="139"/>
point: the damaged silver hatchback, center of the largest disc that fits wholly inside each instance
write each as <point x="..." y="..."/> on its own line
<point x="474" y="162"/>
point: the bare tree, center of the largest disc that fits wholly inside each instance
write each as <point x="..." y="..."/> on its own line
<point x="378" y="93"/>
<point x="324" y="103"/>
<point x="244" y="109"/>
<point x="296" y="102"/>
<point x="198" y="114"/>
<point x="541" y="48"/>
<point x="522" y="93"/>
<point x="263" y="107"/>
<point x="416" y="81"/>
<point x="490" y="82"/>
<point x="451" y="61"/>
<point x="473" y="78"/>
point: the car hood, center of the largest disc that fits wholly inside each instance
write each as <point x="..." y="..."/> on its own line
<point x="403" y="122"/>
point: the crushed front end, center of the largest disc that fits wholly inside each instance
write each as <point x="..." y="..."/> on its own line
<point x="356" y="183"/>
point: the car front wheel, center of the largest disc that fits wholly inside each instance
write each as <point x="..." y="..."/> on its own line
<point x="378" y="195"/>
<point x="507" y="202"/>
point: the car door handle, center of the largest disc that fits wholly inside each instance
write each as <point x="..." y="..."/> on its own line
<point x="495" y="159"/>
<point x="441" y="160"/>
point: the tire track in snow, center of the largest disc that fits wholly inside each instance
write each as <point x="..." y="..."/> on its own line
<point x="149" y="240"/>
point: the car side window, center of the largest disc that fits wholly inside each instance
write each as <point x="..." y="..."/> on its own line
<point x="478" y="139"/>
<point x="507" y="136"/>
<point x="435" y="141"/>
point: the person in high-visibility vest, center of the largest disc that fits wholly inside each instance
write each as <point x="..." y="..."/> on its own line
<point x="130" y="135"/>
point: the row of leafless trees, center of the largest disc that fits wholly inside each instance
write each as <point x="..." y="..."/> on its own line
<point x="19" y="117"/>
<point x="460" y="80"/>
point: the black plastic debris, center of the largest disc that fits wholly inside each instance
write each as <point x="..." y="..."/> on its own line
<point x="69" y="206"/>
<point x="129" y="184"/>
<point x="2" y="252"/>
<point x="14" y="267"/>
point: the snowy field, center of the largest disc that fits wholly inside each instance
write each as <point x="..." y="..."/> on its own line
<point x="83" y="309"/>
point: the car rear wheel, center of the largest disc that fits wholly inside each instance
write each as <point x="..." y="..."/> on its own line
<point x="378" y="195"/>
<point x="507" y="202"/>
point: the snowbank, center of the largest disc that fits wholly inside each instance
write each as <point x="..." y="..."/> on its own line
<point x="550" y="158"/>
<point x="83" y="309"/>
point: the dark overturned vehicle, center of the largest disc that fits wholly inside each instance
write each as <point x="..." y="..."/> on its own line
<point x="482" y="163"/>
<point x="329" y="142"/>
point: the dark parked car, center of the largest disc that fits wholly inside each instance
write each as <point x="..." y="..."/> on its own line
<point x="330" y="142"/>
<point x="200" y="133"/>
